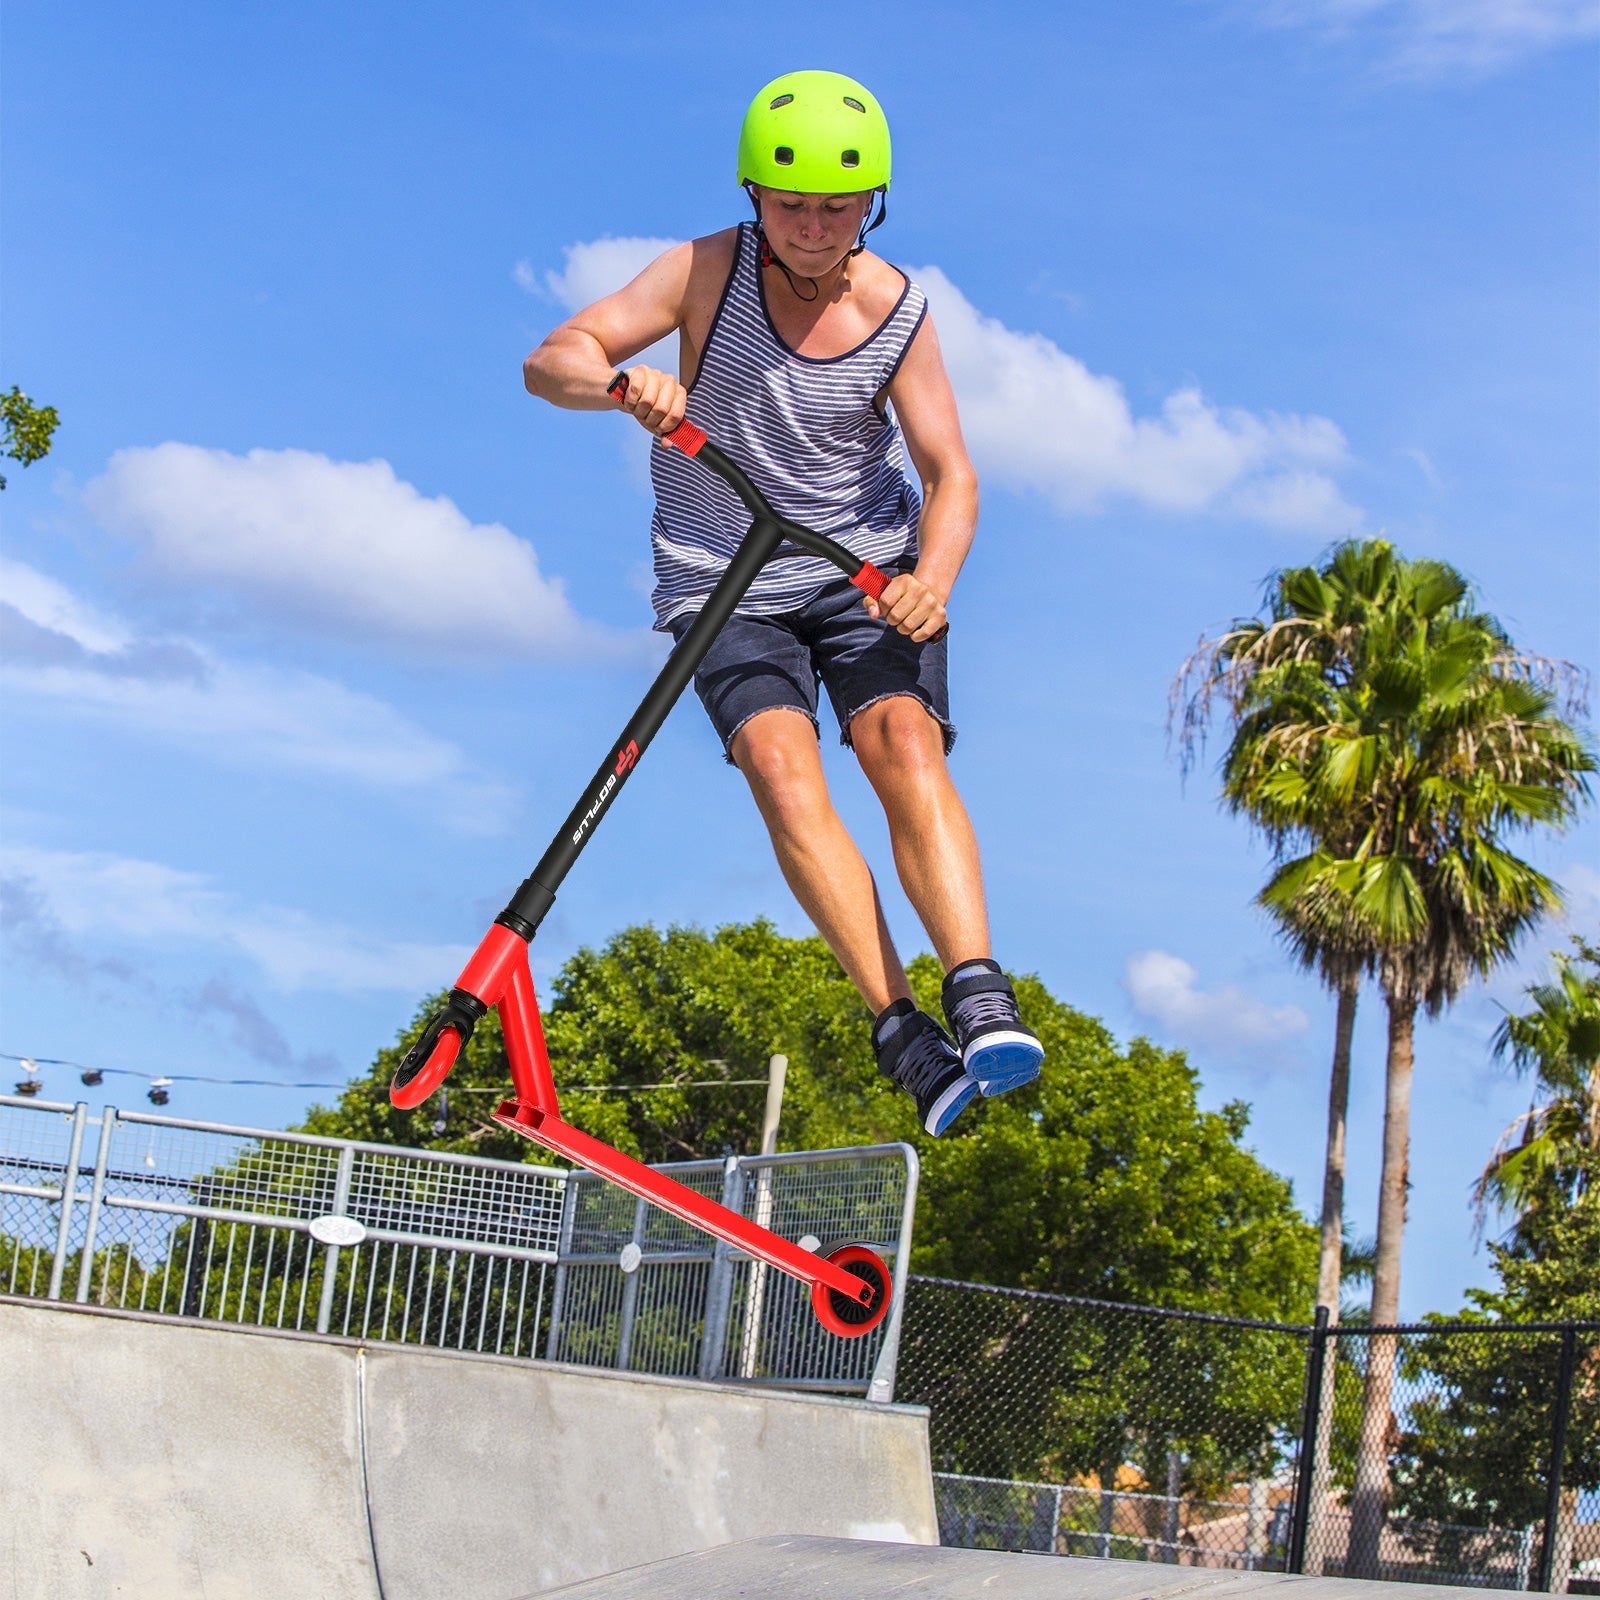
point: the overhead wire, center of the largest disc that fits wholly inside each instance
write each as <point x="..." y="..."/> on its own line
<point x="167" y="1077"/>
<point x="323" y="1083"/>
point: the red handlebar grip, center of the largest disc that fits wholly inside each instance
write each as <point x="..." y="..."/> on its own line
<point x="685" y="437"/>
<point x="870" y="580"/>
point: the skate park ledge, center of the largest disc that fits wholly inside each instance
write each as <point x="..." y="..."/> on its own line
<point x="149" y="1457"/>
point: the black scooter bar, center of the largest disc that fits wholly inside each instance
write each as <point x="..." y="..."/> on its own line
<point x="768" y="531"/>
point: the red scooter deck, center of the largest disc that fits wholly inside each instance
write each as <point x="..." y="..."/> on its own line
<point x="850" y="1287"/>
<point x="681" y="1201"/>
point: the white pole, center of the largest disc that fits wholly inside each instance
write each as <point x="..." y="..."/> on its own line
<point x="755" y="1302"/>
<point x="777" y="1067"/>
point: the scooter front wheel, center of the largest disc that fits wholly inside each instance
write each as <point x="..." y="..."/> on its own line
<point x="839" y="1314"/>
<point x="426" y="1065"/>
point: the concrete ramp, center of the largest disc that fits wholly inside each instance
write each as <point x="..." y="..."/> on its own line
<point x="148" y="1459"/>
<point x="810" y="1568"/>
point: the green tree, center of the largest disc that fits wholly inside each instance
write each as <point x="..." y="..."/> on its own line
<point x="1432" y="742"/>
<point x="28" y="428"/>
<point x="1475" y="1450"/>
<point x="1548" y="1154"/>
<point x="1105" y="1178"/>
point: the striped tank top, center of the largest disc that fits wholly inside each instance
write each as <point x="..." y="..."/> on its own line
<point x="809" y="434"/>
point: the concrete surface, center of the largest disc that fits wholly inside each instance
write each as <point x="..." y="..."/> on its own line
<point x="152" y="1460"/>
<point x="810" y="1568"/>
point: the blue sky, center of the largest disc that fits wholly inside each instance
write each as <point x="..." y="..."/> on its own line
<point x="319" y="622"/>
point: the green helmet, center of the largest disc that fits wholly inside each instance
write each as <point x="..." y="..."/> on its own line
<point x="815" y="133"/>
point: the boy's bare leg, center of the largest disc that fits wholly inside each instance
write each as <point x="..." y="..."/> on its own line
<point x="778" y="753"/>
<point x="901" y="750"/>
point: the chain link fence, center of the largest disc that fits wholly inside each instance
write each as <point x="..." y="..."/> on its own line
<point x="1080" y="1427"/>
<point x="307" y="1234"/>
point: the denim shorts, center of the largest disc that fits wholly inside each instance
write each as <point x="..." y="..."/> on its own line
<point x="759" y="662"/>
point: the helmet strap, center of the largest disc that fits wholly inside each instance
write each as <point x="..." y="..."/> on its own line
<point x="877" y="222"/>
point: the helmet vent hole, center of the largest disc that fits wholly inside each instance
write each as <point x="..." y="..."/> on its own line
<point x="783" y="155"/>
<point x="855" y="105"/>
<point x="850" y="158"/>
<point x="782" y="100"/>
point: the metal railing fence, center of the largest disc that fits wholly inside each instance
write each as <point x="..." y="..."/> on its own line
<point x="756" y="1325"/>
<point x="1084" y="1427"/>
<point x="278" y="1230"/>
<point x="293" y="1231"/>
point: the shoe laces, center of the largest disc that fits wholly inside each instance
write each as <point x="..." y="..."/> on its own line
<point x="925" y="1056"/>
<point x="988" y="1008"/>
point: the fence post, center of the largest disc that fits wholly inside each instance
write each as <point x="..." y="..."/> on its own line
<point x="1558" y="1456"/>
<point x="1525" y="1558"/>
<point x="1172" y="1507"/>
<point x="1310" y="1419"/>
<point x="330" y="1252"/>
<point x="719" y="1291"/>
<point x="558" y="1290"/>
<point x="630" y="1294"/>
<point x="69" y="1198"/>
<point x="97" y="1193"/>
<point x="881" y="1387"/>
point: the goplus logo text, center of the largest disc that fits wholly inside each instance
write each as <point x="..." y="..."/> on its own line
<point x="626" y="757"/>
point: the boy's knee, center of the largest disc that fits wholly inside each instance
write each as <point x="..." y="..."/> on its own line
<point x="898" y="732"/>
<point x="778" y="754"/>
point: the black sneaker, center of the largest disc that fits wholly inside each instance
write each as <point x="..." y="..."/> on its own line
<point x="997" y="1048"/>
<point x="916" y="1053"/>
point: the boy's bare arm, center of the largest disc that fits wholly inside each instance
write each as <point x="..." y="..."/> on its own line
<point x="576" y="361"/>
<point x="925" y="406"/>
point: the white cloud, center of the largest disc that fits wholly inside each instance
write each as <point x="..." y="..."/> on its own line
<point x="341" y="547"/>
<point x="1424" y="39"/>
<point x="1037" y="419"/>
<point x="105" y="898"/>
<point x="53" y="606"/>
<point x="1424" y="464"/>
<point x="54" y="648"/>
<point x="1164" y="988"/>
<point x="599" y="267"/>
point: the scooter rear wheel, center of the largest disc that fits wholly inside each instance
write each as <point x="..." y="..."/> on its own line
<point x="839" y="1314"/>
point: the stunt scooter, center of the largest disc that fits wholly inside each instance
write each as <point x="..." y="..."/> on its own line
<point x="850" y="1284"/>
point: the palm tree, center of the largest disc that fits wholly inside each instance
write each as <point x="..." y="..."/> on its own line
<point x="1552" y="1151"/>
<point x="1443" y="741"/>
<point x="1272" y="676"/>
<point x="1395" y="737"/>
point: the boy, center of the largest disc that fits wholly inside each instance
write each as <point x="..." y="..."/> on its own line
<point x="794" y="342"/>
